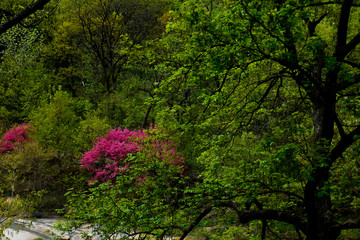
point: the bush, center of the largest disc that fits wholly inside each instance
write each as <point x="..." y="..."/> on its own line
<point x="25" y="166"/>
<point x="14" y="137"/>
<point x="115" y="153"/>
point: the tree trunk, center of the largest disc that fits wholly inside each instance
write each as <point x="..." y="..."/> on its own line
<point x="144" y="124"/>
<point x="318" y="208"/>
<point x="320" y="219"/>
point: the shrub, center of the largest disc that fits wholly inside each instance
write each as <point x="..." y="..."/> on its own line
<point x="14" y="137"/>
<point x="121" y="148"/>
<point x="25" y="166"/>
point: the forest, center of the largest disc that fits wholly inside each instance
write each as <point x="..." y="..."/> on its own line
<point x="186" y="119"/>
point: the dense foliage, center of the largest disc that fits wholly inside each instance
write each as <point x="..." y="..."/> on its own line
<point x="256" y="107"/>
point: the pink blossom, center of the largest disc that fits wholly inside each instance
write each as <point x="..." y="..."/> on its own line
<point x="106" y="158"/>
<point x="14" y="137"/>
<point x="110" y="153"/>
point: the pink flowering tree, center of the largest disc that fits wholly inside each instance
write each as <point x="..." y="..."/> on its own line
<point x="121" y="149"/>
<point x="15" y="137"/>
<point x="140" y="181"/>
<point x="19" y="160"/>
<point x="25" y="166"/>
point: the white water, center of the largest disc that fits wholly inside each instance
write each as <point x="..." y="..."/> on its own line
<point x="38" y="229"/>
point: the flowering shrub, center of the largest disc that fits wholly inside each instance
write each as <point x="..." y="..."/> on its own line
<point x="14" y="137"/>
<point x="111" y="154"/>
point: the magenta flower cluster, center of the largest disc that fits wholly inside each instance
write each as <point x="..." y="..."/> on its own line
<point x="106" y="159"/>
<point x="14" y="137"/>
<point x="110" y="153"/>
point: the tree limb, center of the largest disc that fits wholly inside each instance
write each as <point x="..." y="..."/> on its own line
<point x="247" y="216"/>
<point x="352" y="44"/>
<point x="350" y="224"/>
<point x="22" y="15"/>
<point x="271" y="190"/>
<point x="196" y="222"/>
<point x="342" y="30"/>
<point x="312" y="24"/>
<point x="346" y="84"/>
<point x="146" y="117"/>
<point x="339" y="125"/>
<point x="343" y="144"/>
<point x="328" y="3"/>
<point x="352" y="64"/>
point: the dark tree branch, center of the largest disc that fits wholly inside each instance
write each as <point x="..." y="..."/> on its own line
<point x="339" y="126"/>
<point x="40" y="18"/>
<point x="352" y="44"/>
<point x="255" y="19"/>
<point x="352" y="64"/>
<point x="22" y="15"/>
<point x="264" y="222"/>
<point x="345" y="142"/>
<point x="350" y="224"/>
<point x="312" y="24"/>
<point x="342" y="30"/>
<point x="6" y="13"/>
<point x="271" y="190"/>
<point x="319" y="4"/>
<point x="196" y="222"/>
<point x="302" y="77"/>
<point x="250" y="114"/>
<point x="149" y="91"/>
<point x="247" y="216"/>
<point x="146" y="117"/>
<point x="344" y="85"/>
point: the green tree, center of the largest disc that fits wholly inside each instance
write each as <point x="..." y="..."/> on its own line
<point x="64" y="128"/>
<point x="67" y="125"/>
<point x="284" y="71"/>
<point x="19" y="199"/>
<point x="262" y="96"/>
<point x="104" y="35"/>
<point x="23" y="81"/>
